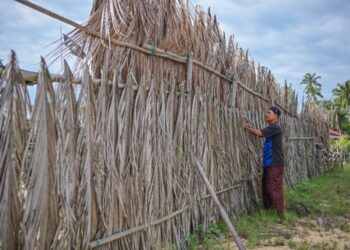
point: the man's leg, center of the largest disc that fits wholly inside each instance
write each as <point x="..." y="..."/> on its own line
<point x="276" y="190"/>
<point x="265" y="193"/>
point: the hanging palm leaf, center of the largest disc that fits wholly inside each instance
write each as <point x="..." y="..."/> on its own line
<point x="40" y="219"/>
<point x="86" y="211"/>
<point x="13" y="136"/>
<point x="67" y="131"/>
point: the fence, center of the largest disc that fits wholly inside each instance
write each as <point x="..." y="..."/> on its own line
<point x="110" y="164"/>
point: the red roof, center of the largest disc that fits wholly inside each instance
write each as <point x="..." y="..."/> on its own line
<point x="334" y="132"/>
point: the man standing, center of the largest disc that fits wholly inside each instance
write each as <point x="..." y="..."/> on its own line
<point x="273" y="171"/>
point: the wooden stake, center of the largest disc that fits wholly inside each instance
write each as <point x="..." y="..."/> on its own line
<point x="234" y="91"/>
<point x="189" y="73"/>
<point x="220" y="207"/>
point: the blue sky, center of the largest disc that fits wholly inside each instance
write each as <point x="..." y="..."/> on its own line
<point x="290" y="37"/>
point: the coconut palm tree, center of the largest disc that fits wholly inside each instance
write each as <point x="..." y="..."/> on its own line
<point x="332" y="113"/>
<point x="342" y="95"/>
<point x="313" y="87"/>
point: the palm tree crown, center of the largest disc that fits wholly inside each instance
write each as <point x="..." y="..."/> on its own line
<point x="342" y="95"/>
<point x="313" y="87"/>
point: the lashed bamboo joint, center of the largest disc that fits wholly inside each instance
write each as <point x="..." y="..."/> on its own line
<point x="109" y="165"/>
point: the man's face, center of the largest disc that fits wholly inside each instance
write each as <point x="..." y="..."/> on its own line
<point x="270" y="116"/>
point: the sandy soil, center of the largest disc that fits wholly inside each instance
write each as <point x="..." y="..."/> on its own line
<point x="321" y="233"/>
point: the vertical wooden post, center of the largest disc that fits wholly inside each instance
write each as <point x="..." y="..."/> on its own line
<point x="254" y="189"/>
<point x="220" y="207"/>
<point x="188" y="101"/>
<point x="272" y="98"/>
<point x="189" y="73"/>
<point x="234" y="91"/>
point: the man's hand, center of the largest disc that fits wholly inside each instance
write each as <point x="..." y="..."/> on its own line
<point x="245" y="123"/>
<point x="249" y="129"/>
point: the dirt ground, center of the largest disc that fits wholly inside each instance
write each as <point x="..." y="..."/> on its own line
<point x="321" y="233"/>
<point x="313" y="234"/>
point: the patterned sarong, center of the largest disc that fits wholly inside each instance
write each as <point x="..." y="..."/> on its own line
<point x="272" y="189"/>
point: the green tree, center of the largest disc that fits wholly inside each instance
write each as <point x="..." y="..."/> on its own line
<point x="326" y="104"/>
<point x="332" y="113"/>
<point x="338" y="117"/>
<point x="313" y="87"/>
<point x="343" y="120"/>
<point x="342" y="95"/>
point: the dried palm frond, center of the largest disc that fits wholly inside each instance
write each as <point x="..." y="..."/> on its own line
<point x="102" y="176"/>
<point x="85" y="158"/>
<point x="67" y="131"/>
<point x="13" y="136"/>
<point x="113" y="211"/>
<point x="39" y="227"/>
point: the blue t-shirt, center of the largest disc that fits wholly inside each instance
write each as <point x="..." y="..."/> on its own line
<point x="273" y="146"/>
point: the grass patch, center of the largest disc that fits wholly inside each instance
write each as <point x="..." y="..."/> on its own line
<point x="261" y="225"/>
<point x="207" y="238"/>
<point x="332" y="245"/>
<point x="345" y="227"/>
<point x="328" y="194"/>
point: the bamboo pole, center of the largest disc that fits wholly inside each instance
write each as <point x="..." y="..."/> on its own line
<point x="252" y="92"/>
<point x="31" y="77"/>
<point x="220" y="207"/>
<point x="97" y="243"/>
<point x="285" y="110"/>
<point x="189" y="73"/>
<point x="301" y="138"/>
<point x="234" y="91"/>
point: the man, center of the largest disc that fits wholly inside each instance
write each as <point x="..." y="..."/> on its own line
<point x="273" y="171"/>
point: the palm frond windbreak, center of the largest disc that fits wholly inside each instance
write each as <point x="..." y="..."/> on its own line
<point x="113" y="167"/>
<point x="13" y="137"/>
<point x="118" y="161"/>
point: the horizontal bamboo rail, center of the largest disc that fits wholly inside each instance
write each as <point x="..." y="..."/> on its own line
<point x="100" y="242"/>
<point x="146" y="49"/>
<point x="301" y="138"/>
<point x="31" y="77"/>
<point x="285" y="110"/>
<point x="97" y="243"/>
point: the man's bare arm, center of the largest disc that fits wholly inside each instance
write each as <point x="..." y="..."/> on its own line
<point x="251" y="130"/>
<point x="254" y="131"/>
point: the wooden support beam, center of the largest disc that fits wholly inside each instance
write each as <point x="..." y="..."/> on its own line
<point x="31" y="77"/>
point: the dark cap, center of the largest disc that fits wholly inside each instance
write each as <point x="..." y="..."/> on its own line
<point x="276" y="111"/>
